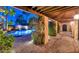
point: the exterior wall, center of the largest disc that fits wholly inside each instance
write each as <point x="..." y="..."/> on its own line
<point x="68" y="26"/>
<point x="74" y="29"/>
<point x="60" y="24"/>
<point x="72" y="26"/>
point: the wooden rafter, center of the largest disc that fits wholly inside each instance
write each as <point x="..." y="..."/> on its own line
<point x="41" y="8"/>
<point x="59" y="13"/>
<point x="48" y="8"/>
<point x="54" y="9"/>
<point x="66" y="9"/>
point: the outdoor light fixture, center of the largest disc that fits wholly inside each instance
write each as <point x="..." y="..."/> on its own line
<point x="76" y="17"/>
<point x="19" y="26"/>
<point x="49" y="20"/>
<point x="26" y="27"/>
<point x="1" y="10"/>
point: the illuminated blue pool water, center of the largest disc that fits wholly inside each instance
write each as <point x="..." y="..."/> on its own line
<point x="21" y="36"/>
<point x="21" y="32"/>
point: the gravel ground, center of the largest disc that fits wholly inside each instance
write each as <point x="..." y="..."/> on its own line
<point x="62" y="43"/>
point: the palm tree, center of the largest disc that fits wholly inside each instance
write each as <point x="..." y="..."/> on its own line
<point x="2" y="17"/>
<point x="7" y="12"/>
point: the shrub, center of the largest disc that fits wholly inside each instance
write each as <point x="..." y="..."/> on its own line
<point x="38" y="36"/>
<point x="52" y="29"/>
<point x="6" y="42"/>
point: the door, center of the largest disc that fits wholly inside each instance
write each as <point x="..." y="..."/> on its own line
<point x="64" y="27"/>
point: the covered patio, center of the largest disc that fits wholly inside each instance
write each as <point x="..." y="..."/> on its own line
<point x="41" y="29"/>
<point x="66" y="34"/>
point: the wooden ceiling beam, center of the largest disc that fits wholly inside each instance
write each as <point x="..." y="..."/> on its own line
<point x="64" y="11"/>
<point x="67" y="9"/>
<point x="57" y="16"/>
<point x="48" y="8"/>
<point x="41" y="8"/>
<point x="60" y="9"/>
<point x="53" y="9"/>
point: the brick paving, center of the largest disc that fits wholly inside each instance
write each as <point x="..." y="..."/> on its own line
<point x="62" y="43"/>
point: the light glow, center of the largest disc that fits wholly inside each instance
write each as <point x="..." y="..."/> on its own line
<point x="71" y="23"/>
<point x="76" y="16"/>
<point x="26" y="27"/>
<point x="19" y="26"/>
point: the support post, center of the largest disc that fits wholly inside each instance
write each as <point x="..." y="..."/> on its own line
<point x="76" y="30"/>
<point x="68" y="27"/>
<point x="56" y="27"/>
<point x="45" y="32"/>
<point x="60" y="24"/>
<point x="46" y="29"/>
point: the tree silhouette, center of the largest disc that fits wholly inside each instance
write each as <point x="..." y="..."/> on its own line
<point x="7" y="12"/>
<point x="20" y="20"/>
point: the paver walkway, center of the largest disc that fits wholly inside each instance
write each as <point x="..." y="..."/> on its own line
<point x="63" y="42"/>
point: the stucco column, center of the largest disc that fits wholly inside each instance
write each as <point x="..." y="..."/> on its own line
<point x="56" y="27"/>
<point x="72" y="26"/>
<point x="60" y="27"/>
<point x="68" y="27"/>
<point x="45" y="32"/>
<point x="76" y="30"/>
<point x="72" y="32"/>
<point x="46" y="29"/>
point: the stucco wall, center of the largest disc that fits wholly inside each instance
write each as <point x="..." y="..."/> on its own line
<point x="68" y="26"/>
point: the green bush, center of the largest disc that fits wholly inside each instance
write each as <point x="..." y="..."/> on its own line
<point x="52" y="29"/>
<point x="6" y="42"/>
<point x="38" y="36"/>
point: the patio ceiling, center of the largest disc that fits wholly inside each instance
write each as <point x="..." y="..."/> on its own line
<point x="59" y="13"/>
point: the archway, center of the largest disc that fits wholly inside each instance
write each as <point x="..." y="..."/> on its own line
<point x="64" y="27"/>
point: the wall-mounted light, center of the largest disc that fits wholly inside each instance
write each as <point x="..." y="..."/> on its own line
<point x="76" y="17"/>
<point x="49" y="20"/>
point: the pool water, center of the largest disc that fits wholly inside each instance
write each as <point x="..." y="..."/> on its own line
<point x="21" y="32"/>
<point x="21" y="36"/>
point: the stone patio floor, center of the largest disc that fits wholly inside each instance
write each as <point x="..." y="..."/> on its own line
<point x="62" y="43"/>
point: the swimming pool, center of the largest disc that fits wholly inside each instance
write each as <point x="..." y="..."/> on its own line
<point x="22" y="32"/>
<point x="21" y="36"/>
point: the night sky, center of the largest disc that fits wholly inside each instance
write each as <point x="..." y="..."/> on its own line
<point x="26" y="15"/>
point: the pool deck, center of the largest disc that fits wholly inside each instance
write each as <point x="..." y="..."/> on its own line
<point x="22" y="39"/>
<point x="62" y="43"/>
